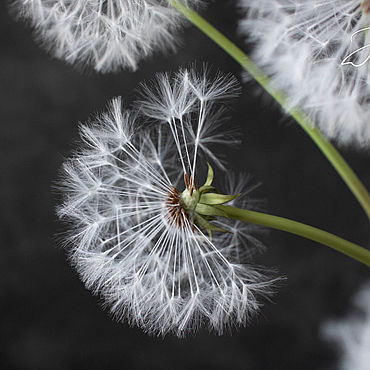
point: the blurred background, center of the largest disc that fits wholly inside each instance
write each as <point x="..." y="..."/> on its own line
<point x="48" y="320"/>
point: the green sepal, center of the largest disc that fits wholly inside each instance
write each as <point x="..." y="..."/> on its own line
<point x="210" y="176"/>
<point x="209" y="180"/>
<point x="207" y="189"/>
<point x="210" y="218"/>
<point x="204" y="224"/>
<point x="207" y="210"/>
<point x="216" y="199"/>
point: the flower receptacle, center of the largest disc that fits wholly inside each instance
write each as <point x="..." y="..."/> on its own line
<point x="190" y="199"/>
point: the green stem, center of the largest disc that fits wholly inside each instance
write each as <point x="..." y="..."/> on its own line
<point x="338" y="162"/>
<point x="341" y="245"/>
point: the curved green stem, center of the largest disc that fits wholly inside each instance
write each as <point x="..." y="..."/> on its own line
<point x="341" y="245"/>
<point x="338" y="162"/>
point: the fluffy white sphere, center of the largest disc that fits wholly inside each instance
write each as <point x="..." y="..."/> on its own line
<point x="304" y="46"/>
<point x="132" y="240"/>
<point x="108" y="35"/>
<point x="352" y="334"/>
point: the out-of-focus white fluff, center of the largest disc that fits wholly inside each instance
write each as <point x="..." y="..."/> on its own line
<point x="108" y="35"/>
<point x="301" y="44"/>
<point x="151" y="272"/>
<point x="352" y="335"/>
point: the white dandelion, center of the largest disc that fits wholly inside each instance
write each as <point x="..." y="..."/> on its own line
<point x="318" y="53"/>
<point x="140" y="234"/>
<point x="352" y="335"/>
<point x="108" y="35"/>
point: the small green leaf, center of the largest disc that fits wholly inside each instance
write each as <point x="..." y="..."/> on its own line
<point x="216" y="199"/>
<point x="204" y="224"/>
<point x="210" y="218"/>
<point x="210" y="176"/>
<point x="206" y="189"/>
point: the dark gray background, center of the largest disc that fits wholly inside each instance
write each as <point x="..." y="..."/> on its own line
<point x="48" y="320"/>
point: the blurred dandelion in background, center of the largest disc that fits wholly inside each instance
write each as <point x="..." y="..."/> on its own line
<point x="107" y="35"/>
<point x="306" y="46"/>
<point x="352" y="334"/>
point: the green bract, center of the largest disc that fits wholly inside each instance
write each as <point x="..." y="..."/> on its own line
<point x="201" y="203"/>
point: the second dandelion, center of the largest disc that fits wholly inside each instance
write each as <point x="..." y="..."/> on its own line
<point x="317" y="52"/>
<point x="107" y="35"/>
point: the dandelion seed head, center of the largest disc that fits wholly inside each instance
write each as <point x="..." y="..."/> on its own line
<point x="107" y="35"/>
<point x="304" y="46"/>
<point x="132" y="195"/>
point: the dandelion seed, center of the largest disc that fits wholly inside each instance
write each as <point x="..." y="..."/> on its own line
<point x="352" y="335"/>
<point x="140" y="238"/>
<point x="302" y="44"/>
<point x="108" y="35"/>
